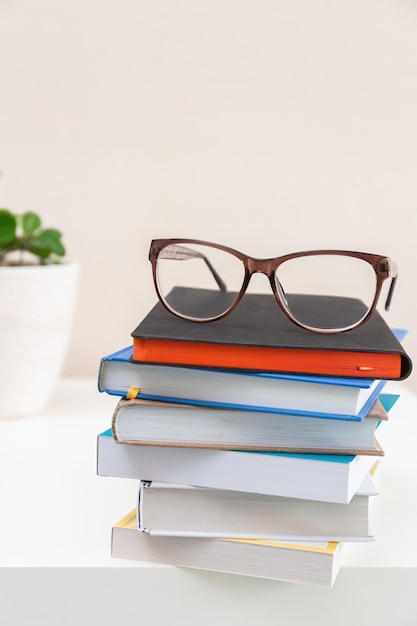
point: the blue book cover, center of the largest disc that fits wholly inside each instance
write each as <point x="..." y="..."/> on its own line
<point x="129" y="370"/>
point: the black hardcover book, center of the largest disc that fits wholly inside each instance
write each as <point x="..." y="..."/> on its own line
<point x="257" y="336"/>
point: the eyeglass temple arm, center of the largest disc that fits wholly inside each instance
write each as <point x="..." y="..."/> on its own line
<point x="182" y="253"/>
<point x="394" y="274"/>
<point x="390" y="293"/>
<point x="221" y="284"/>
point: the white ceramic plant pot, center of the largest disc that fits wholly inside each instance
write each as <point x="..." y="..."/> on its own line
<point x="36" y="313"/>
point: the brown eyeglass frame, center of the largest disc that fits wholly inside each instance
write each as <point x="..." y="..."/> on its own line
<point x="383" y="266"/>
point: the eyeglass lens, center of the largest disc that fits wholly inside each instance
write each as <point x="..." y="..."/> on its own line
<point x="216" y="277"/>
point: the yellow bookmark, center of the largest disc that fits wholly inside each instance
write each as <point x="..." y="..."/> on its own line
<point x="132" y="393"/>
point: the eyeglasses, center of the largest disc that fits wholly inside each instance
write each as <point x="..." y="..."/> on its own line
<point x="342" y="287"/>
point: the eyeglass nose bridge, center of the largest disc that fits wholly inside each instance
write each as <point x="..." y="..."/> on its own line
<point x="260" y="266"/>
<point x="268" y="268"/>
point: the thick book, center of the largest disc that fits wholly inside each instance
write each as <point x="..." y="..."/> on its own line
<point x="327" y="477"/>
<point x="171" y="510"/>
<point x="258" y="336"/>
<point x="145" y="422"/>
<point x="317" y="396"/>
<point x="314" y="564"/>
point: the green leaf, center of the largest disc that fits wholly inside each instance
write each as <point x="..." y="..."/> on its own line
<point x="7" y="226"/>
<point x="30" y="222"/>
<point x="50" y="239"/>
<point x="39" y="248"/>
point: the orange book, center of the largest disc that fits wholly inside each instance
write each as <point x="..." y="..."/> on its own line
<point x="323" y="363"/>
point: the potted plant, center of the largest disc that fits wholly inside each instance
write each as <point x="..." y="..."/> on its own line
<point x="37" y="296"/>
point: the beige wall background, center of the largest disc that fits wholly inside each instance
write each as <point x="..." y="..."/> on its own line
<point x="270" y="126"/>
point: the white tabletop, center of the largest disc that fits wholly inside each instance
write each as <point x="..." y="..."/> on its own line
<point x="58" y="513"/>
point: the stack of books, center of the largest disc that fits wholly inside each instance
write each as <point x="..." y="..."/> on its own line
<point x="254" y="442"/>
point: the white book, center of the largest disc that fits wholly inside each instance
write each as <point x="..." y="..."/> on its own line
<point x="143" y="422"/>
<point x="171" y="510"/>
<point x="332" y="478"/>
<point x="315" y="564"/>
